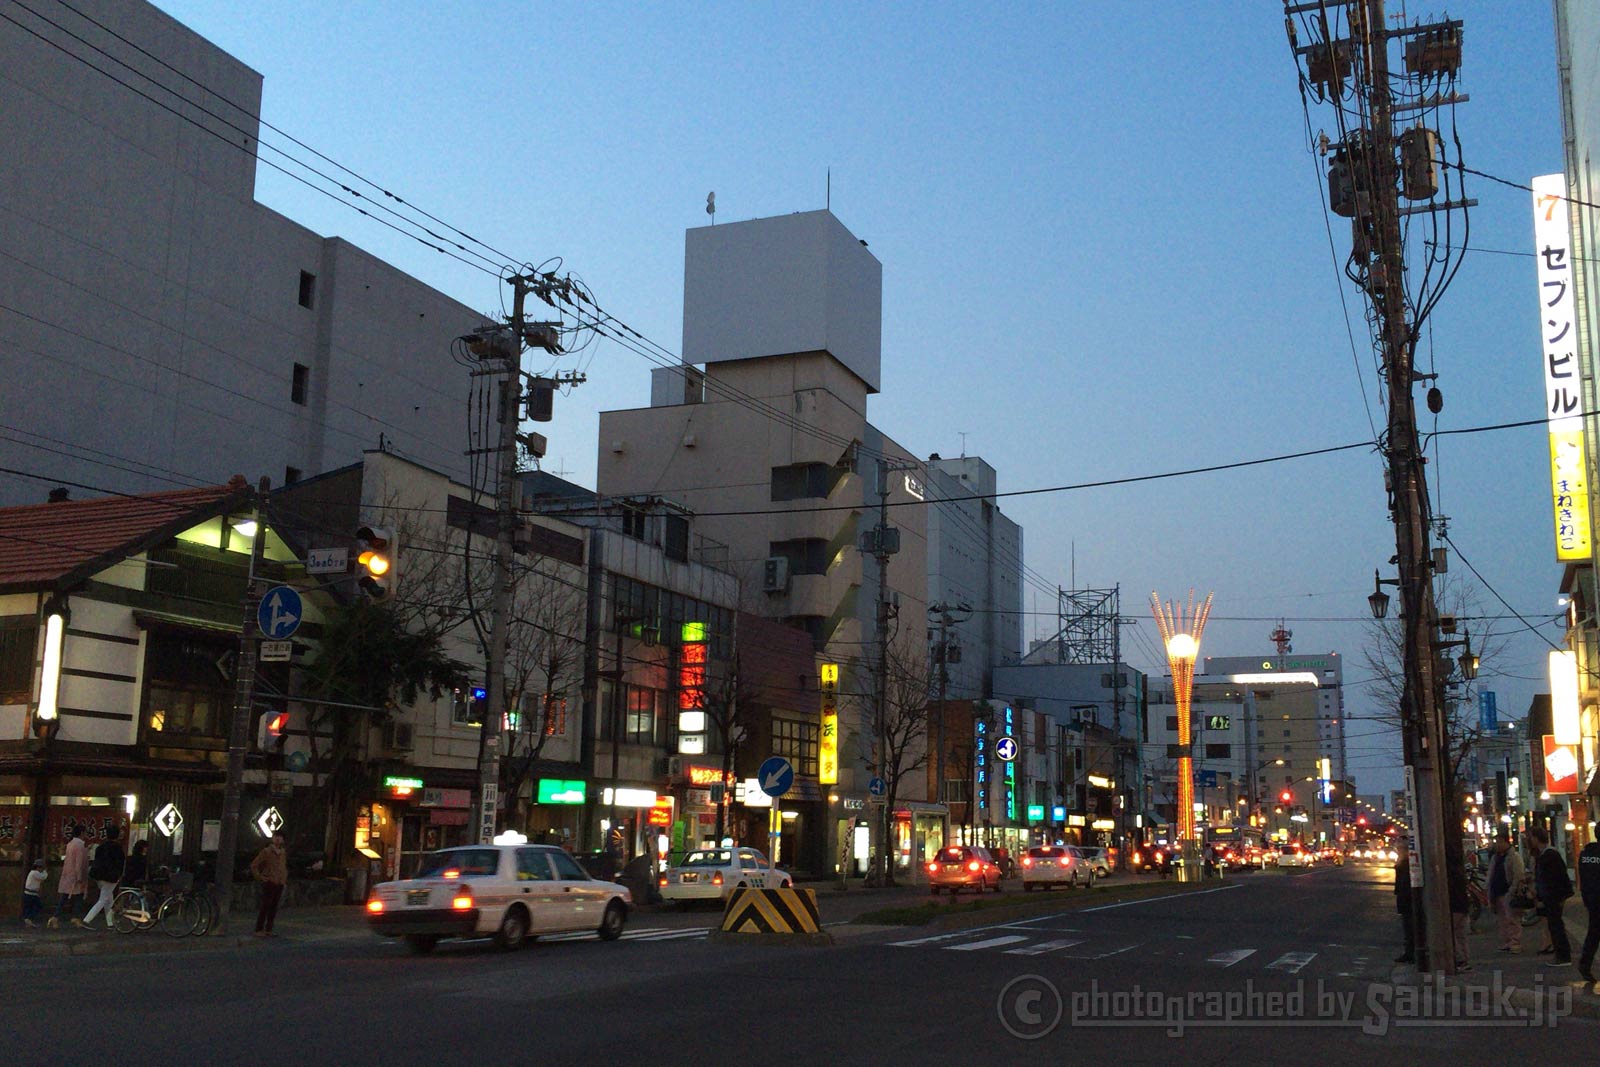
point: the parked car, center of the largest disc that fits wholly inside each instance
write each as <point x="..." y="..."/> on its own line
<point x="1099" y="860"/>
<point x="509" y="891"/>
<point x="959" y="867"/>
<point x="1051" y="865"/>
<point x="714" y="873"/>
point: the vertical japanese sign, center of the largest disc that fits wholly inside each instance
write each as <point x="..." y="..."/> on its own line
<point x="828" y="750"/>
<point x="1488" y="711"/>
<point x="1563" y="392"/>
<point x="980" y="764"/>
<point x="1011" y="767"/>
<point x="693" y="658"/>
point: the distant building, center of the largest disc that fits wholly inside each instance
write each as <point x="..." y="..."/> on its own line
<point x="162" y="328"/>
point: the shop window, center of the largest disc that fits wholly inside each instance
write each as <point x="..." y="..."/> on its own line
<point x="190" y="693"/>
<point x="19" y="636"/>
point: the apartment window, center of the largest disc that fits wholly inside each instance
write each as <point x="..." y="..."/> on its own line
<point x="191" y="686"/>
<point x="18" y="637"/>
<point x="1286" y="733"/>
<point x="797" y="742"/>
<point x="675" y="538"/>
<point x="1219" y="752"/>
<point x="300" y="383"/>
<point x="1172" y="724"/>
<point x="633" y="524"/>
<point x="806" y="555"/>
<point x="308" y="289"/>
<point x="802" y="481"/>
<point x="467" y="709"/>
<point x="644" y="721"/>
<point x="555" y="716"/>
<point x="291" y="475"/>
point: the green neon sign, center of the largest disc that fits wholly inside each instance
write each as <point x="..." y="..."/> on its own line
<point x="694" y="632"/>
<point x="561" y="791"/>
<point x="1036" y="813"/>
<point x="395" y="781"/>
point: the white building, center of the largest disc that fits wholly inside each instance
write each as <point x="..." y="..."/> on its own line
<point x="160" y="327"/>
<point x="974" y="559"/>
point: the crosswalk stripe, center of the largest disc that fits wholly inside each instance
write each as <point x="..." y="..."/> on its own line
<point x="993" y="942"/>
<point x="1291" y="962"/>
<point x="1041" y="948"/>
<point x="671" y="935"/>
<point x="1228" y="959"/>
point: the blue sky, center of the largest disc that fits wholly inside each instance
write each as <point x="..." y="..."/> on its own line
<point x="1103" y="245"/>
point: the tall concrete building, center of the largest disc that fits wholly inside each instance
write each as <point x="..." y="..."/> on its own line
<point x="158" y="326"/>
<point x="1293" y="706"/>
<point x="974" y="559"/>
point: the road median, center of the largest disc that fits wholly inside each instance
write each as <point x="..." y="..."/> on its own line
<point x="956" y="913"/>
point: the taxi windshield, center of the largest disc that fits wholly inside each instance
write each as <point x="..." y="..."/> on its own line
<point x="465" y="862"/>
<point x="707" y="859"/>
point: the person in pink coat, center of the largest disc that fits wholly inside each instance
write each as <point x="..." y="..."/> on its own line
<point x="74" y="882"/>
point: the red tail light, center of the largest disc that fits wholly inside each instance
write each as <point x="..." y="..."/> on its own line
<point x="933" y="868"/>
<point x="972" y="866"/>
<point x="375" y="906"/>
<point x="1027" y="861"/>
<point x="716" y="879"/>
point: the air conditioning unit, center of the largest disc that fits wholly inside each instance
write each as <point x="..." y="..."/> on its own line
<point x="398" y="736"/>
<point x="775" y="574"/>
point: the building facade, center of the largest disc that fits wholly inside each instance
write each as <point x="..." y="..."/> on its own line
<point x="160" y="326"/>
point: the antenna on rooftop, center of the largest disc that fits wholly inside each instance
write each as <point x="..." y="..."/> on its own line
<point x="711" y="206"/>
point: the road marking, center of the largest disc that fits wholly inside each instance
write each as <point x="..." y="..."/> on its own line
<point x="990" y="943"/>
<point x="1291" y="962"/>
<point x="669" y="935"/>
<point x="1228" y="959"/>
<point x="942" y="937"/>
<point x="1166" y="896"/>
<point x="1041" y="948"/>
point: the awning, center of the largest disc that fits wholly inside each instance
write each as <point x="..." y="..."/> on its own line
<point x="160" y="620"/>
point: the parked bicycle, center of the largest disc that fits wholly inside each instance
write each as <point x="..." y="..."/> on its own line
<point x="169" y="901"/>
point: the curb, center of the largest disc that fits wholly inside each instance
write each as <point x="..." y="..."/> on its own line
<point x="1585" y="1004"/>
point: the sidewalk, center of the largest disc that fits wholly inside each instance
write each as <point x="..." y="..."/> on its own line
<point x="297" y="925"/>
<point x="1526" y="975"/>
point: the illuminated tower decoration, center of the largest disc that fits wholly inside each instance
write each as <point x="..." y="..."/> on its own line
<point x="1180" y="635"/>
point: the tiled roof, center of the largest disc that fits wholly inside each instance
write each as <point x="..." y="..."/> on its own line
<point x="41" y="543"/>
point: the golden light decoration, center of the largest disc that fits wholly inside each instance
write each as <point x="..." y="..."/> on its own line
<point x="1181" y="628"/>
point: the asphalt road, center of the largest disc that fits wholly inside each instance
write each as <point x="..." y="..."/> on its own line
<point x="666" y="994"/>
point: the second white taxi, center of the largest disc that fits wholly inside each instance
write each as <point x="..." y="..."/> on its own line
<point x="510" y="892"/>
<point x="1050" y="865"/>
<point x="713" y="873"/>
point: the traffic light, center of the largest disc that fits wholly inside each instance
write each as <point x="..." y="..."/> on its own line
<point x="1361" y="820"/>
<point x="1286" y="796"/>
<point x="375" y="561"/>
<point x="273" y="731"/>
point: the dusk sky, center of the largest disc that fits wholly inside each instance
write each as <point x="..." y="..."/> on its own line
<point x="1103" y="246"/>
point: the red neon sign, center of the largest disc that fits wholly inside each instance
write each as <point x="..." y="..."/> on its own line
<point x="692" y="677"/>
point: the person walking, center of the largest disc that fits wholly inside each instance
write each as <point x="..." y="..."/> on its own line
<point x="1551" y="888"/>
<point x="74" y="879"/>
<point x="1460" y="911"/>
<point x="106" y="870"/>
<point x="271" y="869"/>
<point x="1402" y="904"/>
<point x="33" y="894"/>
<point x="1589" y="886"/>
<point x="1505" y="874"/>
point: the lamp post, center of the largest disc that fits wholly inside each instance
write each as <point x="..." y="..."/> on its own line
<point x="1180" y="632"/>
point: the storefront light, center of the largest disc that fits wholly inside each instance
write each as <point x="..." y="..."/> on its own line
<point x="628" y="798"/>
<point x="55" y="626"/>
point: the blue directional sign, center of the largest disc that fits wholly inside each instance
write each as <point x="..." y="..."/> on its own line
<point x="1005" y="749"/>
<point x="775" y="776"/>
<point x="878" y="787"/>
<point x="279" y="613"/>
<point x="1206" y="779"/>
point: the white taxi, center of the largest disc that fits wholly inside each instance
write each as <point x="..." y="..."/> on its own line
<point x="509" y="891"/>
<point x="713" y="873"/>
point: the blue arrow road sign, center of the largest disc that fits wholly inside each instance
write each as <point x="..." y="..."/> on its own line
<point x="775" y="776"/>
<point x="279" y="613"/>
<point x="1005" y="749"/>
<point x="877" y="787"/>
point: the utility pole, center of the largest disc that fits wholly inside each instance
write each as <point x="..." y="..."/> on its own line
<point x="1365" y="184"/>
<point x="244" y="696"/>
<point x="881" y="542"/>
<point x="504" y="345"/>
<point x="941" y="612"/>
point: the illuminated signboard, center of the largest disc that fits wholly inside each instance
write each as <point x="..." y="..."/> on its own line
<point x="402" y="786"/>
<point x="828" y="750"/>
<point x="1011" y="767"/>
<point x="660" y="816"/>
<point x="980" y="763"/>
<point x="692" y="659"/>
<point x="1036" y="813"/>
<point x="1558" y="350"/>
<point x="1560" y="767"/>
<point x="1218" y="722"/>
<point x="561" y="791"/>
<point x="1564" y="722"/>
<point x="706" y="777"/>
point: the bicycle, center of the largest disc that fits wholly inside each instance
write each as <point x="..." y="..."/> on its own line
<point x="134" y="908"/>
<point x="182" y="911"/>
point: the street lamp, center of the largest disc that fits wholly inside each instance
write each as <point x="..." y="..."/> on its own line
<point x="1379" y="600"/>
<point x="1180" y="632"/>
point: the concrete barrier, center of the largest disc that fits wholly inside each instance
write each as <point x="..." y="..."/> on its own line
<point x="787" y="914"/>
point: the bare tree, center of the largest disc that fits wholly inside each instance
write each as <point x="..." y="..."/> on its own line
<point x="902" y="750"/>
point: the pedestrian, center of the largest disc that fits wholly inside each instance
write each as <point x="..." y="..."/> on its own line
<point x="74" y="879"/>
<point x="271" y="869"/>
<point x="1589" y="885"/>
<point x="106" y="870"/>
<point x="1505" y="874"/>
<point x="1551" y="887"/>
<point x="33" y="894"/>
<point x="1402" y="904"/>
<point x="1460" y="909"/>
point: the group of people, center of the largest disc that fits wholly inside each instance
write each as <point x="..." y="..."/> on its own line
<point x="111" y="868"/>
<point x="1512" y="888"/>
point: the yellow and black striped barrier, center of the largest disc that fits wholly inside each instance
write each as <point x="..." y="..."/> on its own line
<point x="790" y="914"/>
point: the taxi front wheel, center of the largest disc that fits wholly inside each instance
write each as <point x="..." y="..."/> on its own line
<point x="611" y="924"/>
